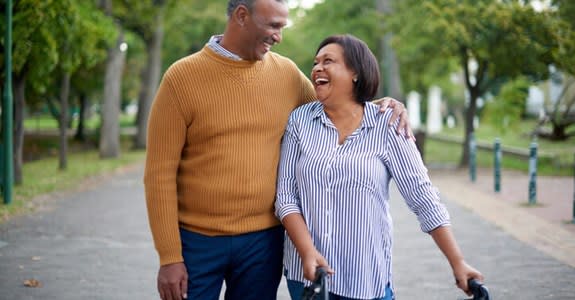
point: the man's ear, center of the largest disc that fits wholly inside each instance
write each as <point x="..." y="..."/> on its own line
<point x="240" y="15"/>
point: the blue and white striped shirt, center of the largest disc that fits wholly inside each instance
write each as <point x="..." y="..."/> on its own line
<point x="342" y="192"/>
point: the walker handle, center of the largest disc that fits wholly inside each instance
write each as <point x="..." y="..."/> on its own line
<point x="478" y="290"/>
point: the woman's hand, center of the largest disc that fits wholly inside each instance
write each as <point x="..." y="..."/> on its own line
<point x="311" y="262"/>
<point x="462" y="273"/>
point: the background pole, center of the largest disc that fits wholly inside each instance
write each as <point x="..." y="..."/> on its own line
<point x="472" y="154"/>
<point x="7" y="113"/>
<point x="533" y="173"/>
<point x="497" y="164"/>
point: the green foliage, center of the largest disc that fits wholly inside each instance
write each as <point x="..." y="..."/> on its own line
<point x="94" y="32"/>
<point x="34" y="46"/>
<point x="565" y="29"/>
<point x="135" y="62"/>
<point x="505" y="40"/>
<point x="51" y="37"/>
<point x="141" y="17"/>
<point x="327" y="18"/>
<point x="506" y="110"/>
<point x="511" y="38"/>
<point x="565" y="10"/>
<point x="189" y="25"/>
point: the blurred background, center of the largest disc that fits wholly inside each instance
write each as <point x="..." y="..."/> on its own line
<point x="82" y="76"/>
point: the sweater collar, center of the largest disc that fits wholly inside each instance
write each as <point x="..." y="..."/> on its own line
<point x="232" y="62"/>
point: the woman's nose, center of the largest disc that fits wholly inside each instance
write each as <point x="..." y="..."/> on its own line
<point x="316" y="68"/>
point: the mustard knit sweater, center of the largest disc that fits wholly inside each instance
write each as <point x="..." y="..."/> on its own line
<point x="214" y="136"/>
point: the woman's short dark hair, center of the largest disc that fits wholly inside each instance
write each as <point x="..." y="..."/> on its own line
<point x="360" y="59"/>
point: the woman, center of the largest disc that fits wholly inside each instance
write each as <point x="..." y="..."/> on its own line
<point x="337" y="159"/>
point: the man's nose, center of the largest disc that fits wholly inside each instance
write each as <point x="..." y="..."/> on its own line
<point x="277" y="37"/>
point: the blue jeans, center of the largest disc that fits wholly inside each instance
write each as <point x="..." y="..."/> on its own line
<point x="295" y="289"/>
<point x="250" y="264"/>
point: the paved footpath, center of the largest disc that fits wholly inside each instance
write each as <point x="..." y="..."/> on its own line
<point x="94" y="243"/>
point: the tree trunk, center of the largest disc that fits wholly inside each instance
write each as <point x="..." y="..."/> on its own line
<point x="19" y="104"/>
<point x="560" y="117"/>
<point x="558" y="132"/>
<point x="391" y="81"/>
<point x="150" y="79"/>
<point x="474" y="91"/>
<point x="80" y="134"/>
<point x="63" y="122"/>
<point x="110" y="113"/>
<point x="469" y="129"/>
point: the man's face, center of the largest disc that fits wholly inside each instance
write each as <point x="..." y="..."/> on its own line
<point x="264" y="28"/>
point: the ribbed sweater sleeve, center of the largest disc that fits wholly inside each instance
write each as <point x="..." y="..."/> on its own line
<point x="214" y="134"/>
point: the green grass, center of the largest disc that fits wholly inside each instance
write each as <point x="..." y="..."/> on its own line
<point x="47" y="122"/>
<point x="563" y="152"/>
<point x="441" y="153"/>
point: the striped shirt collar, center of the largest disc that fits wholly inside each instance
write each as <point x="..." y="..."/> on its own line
<point x="370" y="112"/>
<point x="214" y="44"/>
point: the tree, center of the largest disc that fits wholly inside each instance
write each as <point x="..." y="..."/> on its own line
<point x="145" y="19"/>
<point x="52" y="40"/>
<point x="506" y="110"/>
<point x="109" y="145"/>
<point x="389" y="62"/>
<point x="561" y="115"/>
<point x="35" y="55"/>
<point x="189" y="24"/>
<point x="81" y="35"/>
<point x="503" y="39"/>
<point x="359" y="18"/>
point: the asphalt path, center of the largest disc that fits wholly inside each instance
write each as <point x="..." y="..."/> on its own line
<point x="94" y="243"/>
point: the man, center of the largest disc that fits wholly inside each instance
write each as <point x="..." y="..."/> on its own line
<point x="212" y="155"/>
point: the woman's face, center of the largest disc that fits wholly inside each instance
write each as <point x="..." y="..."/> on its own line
<point x="331" y="77"/>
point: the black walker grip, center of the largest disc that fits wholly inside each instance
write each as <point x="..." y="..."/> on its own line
<point x="318" y="289"/>
<point x="478" y="290"/>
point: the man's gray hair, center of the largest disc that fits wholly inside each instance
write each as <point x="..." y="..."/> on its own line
<point x="233" y="4"/>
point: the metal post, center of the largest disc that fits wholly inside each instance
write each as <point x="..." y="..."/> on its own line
<point x="573" y="221"/>
<point x="497" y="164"/>
<point x="472" y="153"/>
<point x="533" y="173"/>
<point x="7" y="111"/>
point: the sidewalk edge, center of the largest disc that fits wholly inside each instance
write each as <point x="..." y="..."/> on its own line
<point x="539" y="233"/>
